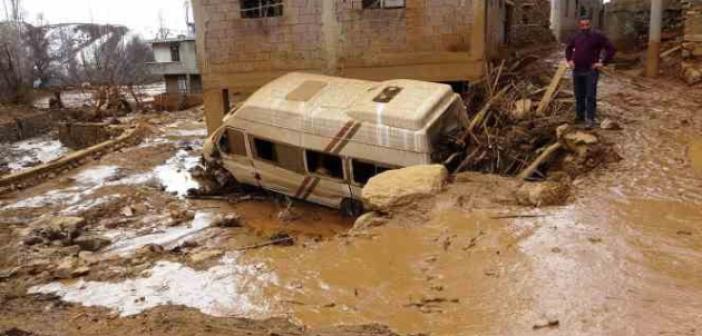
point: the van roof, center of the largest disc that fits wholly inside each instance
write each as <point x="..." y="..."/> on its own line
<point x="319" y="104"/>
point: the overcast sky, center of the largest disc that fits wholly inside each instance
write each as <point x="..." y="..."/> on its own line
<point x="139" y="15"/>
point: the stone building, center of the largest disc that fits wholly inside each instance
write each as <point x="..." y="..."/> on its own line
<point x="628" y="22"/>
<point x="243" y="44"/>
<point x="565" y="15"/>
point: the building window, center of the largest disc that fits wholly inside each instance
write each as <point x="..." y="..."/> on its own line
<point x="383" y="4"/>
<point x="232" y="142"/>
<point x="364" y="171"/>
<point x="226" y="103"/>
<point x="284" y="156"/>
<point x="175" y="52"/>
<point x="252" y="9"/>
<point x="325" y="165"/>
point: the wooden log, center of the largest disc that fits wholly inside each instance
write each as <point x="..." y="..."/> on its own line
<point x="478" y="119"/>
<point x="526" y="173"/>
<point x="555" y="82"/>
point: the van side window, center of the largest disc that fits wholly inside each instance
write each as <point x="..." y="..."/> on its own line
<point x="284" y="156"/>
<point x="364" y="171"/>
<point x="232" y="142"/>
<point x="325" y="164"/>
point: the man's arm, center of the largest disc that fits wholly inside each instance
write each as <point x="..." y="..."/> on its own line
<point x="570" y="49"/>
<point x="608" y="50"/>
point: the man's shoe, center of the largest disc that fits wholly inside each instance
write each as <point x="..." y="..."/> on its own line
<point x="590" y="124"/>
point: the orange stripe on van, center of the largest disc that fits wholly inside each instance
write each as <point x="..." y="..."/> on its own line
<point x="347" y="138"/>
<point x="303" y="187"/>
<point x="311" y="188"/>
<point x="339" y="136"/>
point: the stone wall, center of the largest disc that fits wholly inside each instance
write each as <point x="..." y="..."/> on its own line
<point x="627" y="22"/>
<point x="692" y="42"/>
<point x="531" y="23"/>
<point x="24" y="126"/>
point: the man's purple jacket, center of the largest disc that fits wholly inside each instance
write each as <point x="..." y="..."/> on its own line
<point x="587" y="48"/>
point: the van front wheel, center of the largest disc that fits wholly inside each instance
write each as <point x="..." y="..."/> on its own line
<point x="351" y="207"/>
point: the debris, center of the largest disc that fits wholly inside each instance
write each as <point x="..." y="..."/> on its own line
<point x="227" y="221"/>
<point x="91" y="243"/>
<point x="609" y="124"/>
<point x="127" y="211"/>
<point x="402" y="186"/>
<point x="534" y="166"/>
<point x="65" y="268"/>
<point x="281" y="239"/>
<point x="367" y="221"/>
<point x="546" y="323"/>
<point x="205" y="255"/>
<point x="542" y="193"/>
<point x="522" y="109"/>
<point x="548" y="96"/>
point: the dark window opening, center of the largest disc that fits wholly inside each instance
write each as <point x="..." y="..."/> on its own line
<point x="175" y="52"/>
<point x="583" y="11"/>
<point x="284" y="156"/>
<point x="383" y="4"/>
<point x="265" y="150"/>
<point x="251" y="9"/>
<point x="325" y="164"/>
<point x="364" y="171"/>
<point x="388" y="94"/>
<point x="232" y="142"/>
<point x="226" y="104"/>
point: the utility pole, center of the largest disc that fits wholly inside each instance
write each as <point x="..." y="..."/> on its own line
<point x="654" y="39"/>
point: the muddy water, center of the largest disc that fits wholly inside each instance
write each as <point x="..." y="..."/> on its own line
<point x="695" y="155"/>
<point x="622" y="259"/>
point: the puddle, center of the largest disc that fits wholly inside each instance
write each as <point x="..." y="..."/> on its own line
<point x="174" y="175"/>
<point x="126" y="242"/>
<point x="228" y="289"/>
<point x="28" y="153"/>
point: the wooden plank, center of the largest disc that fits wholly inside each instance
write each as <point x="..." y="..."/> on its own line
<point x="555" y="82"/>
<point x="526" y="173"/>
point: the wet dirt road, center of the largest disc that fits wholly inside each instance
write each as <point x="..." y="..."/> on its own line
<point x="623" y="258"/>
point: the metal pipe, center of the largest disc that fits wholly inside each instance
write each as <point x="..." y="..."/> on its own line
<point x="654" y="39"/>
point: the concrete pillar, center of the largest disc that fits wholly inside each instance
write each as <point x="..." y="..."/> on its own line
<point x="479" y="30"/>
<point x="331" y="34"/>
<point x="556" y="14"/>
<point x="654" y="40"/>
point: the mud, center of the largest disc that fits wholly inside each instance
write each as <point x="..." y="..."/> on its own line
<point x="621" y="257"/>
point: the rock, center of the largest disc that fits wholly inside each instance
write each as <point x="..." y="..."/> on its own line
<point x="65" y="268"/>
<point x="150" y="249"/>
<point x="578" y="141"/>
<point x="127" y="211"/>
<point x="543" y="193"/>
<point x="205" y="255"/>
<point x="609" y="124"/>
<point x="522" y="109"/>
<point x="546" y="323"/>
<point x="227" y="221"/>
<point x="367" y="221"/>
<point x="32" y="240"/>
<point x="87" y="257"/>
<point x="691" y="74"/>
<point x="80" y="271"/>
<point x="54" y="228"/>
<point x="91" y="243"/>
<point x="403" y="186"/>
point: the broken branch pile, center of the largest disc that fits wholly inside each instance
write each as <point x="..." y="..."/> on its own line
<point x="514" y="132"/>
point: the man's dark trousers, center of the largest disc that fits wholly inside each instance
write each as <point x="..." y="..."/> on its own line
<point x="585" y="87"/>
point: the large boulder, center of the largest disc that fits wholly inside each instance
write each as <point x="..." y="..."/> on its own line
<point x="403" y="186"/>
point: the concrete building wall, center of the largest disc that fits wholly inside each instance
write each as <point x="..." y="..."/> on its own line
<point x="440" y="40"/>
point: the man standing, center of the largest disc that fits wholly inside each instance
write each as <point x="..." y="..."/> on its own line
<point x="587" y="52"/>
